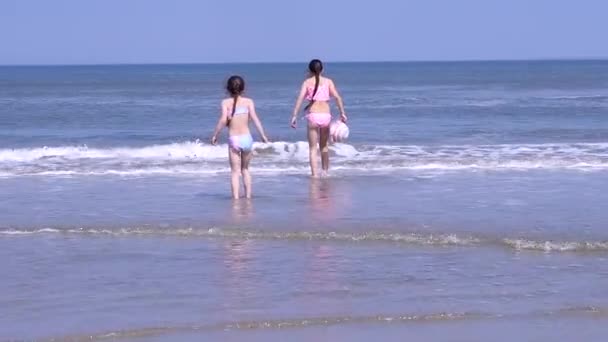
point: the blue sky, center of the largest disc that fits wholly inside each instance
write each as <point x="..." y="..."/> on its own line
<point x="187" y="31"/>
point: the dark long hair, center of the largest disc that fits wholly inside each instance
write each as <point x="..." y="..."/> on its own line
<point x="315" y="67"/>
<point x="235" y="87"/>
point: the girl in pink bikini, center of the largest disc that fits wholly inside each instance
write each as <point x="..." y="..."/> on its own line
<point x="318" y="90"/>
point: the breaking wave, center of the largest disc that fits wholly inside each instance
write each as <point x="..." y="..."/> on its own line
<point x="197" y="158"/>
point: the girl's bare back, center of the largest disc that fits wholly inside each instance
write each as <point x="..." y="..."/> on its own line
<point x="238" y="123"/>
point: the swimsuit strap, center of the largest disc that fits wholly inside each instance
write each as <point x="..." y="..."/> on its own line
<point x="241" y="110"/>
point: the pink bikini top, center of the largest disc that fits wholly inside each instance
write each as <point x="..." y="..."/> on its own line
<point x="321" y="95"/>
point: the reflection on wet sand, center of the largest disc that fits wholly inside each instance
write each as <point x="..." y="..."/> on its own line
<point x="242" y="210"/>
<point x="329" y="198"/>
<point x="237" y="285"/>
<point x="238" y="255"/>
<point x="238" y="259"/>
<point x="321" y="201"/>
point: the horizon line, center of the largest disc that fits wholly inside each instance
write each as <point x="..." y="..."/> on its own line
<point x="544" y="59"/>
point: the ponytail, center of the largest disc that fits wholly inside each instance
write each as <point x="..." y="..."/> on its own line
<point x="235" y="97"/>
<point x="235" y="87"/>
<point x="314" y="92"/>
<point x="315" y="67"/>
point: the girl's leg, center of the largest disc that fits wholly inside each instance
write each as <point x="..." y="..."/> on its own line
<point x="245" y="159"/>
<point x="324" y="147"/>
<point x="235" y="172"/>
<point x="313" y="140"/>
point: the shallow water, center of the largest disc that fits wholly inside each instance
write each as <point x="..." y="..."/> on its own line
<point x="466" y="205"/>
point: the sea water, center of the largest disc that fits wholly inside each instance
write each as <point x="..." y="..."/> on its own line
<point x="469" y="203"/>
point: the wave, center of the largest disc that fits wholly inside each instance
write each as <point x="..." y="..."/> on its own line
<point x="400" y="238"/>
<point x="195" y="157"/>
<point x="472" y="99"/>
<point x="408" y="238"/>
<point x="550" y="246"/>
<point x="327" y="321"/>
<point x="579" y="97"/>
<point x="294" y="323"/>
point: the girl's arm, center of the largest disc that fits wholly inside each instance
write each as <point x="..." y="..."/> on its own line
<point x="296" y="109"/>
<point x="256" y="121"/>
<point x="221" y="122"/>
<point x="334" y="92"/>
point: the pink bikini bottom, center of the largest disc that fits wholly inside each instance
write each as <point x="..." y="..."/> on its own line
<point x="319" y="119"/>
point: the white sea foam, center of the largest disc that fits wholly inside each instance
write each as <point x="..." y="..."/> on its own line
<point x="553" y="246"/>
<point x="403" y="238"/>
<point x="579" y="97"/>
<point x="195" y="157"/>
<point x="407" y="238"/>
<point x="28" y="232"/>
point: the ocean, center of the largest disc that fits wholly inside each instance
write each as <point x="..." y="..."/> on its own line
<point x="468" y="204"/>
